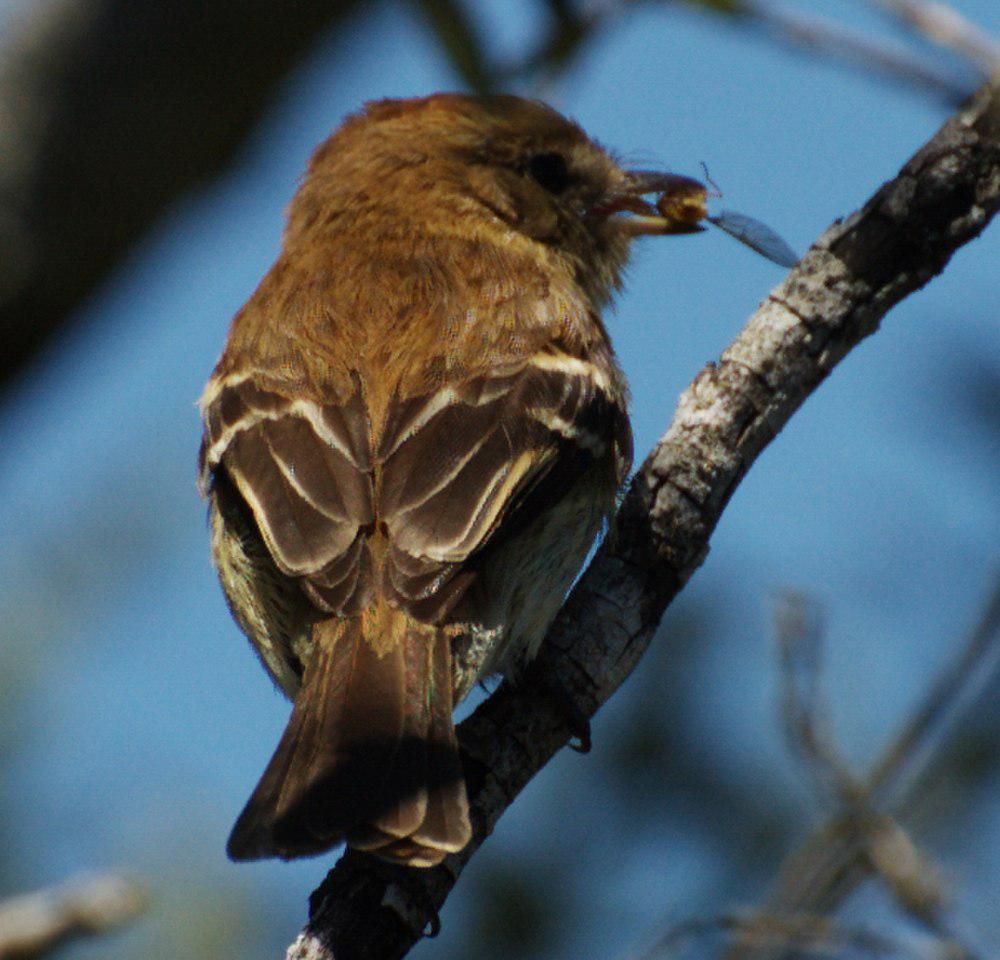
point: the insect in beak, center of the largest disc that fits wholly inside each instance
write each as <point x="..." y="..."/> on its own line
<point x="682" y="207"/>
<point x="650" y="220"/>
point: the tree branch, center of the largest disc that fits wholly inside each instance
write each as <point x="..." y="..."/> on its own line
<point x="854" y="273"/>
<point x="827" y="38"/>
<point x="110" y="110"/>
<point x="861" y="837"/>
<point x="34" y="924"/>
<point x="946" y="27"/>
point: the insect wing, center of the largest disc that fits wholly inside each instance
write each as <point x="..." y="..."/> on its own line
<point x="757" y="236"/>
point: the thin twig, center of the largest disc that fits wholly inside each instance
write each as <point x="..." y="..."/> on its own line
<point x="893" y="61"/>
<point x="912" y="750"/>
<point x="799" y="631"/>
<point x="34" y="924"/>
<point x="807" y="936"/>
<point x="863" y="839"/>
<point x="945" y="27"/>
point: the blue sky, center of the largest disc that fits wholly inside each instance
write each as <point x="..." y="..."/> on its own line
<point x="146" y="719"/>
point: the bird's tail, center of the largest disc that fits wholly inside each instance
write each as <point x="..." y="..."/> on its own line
<point x="369" y="754"/>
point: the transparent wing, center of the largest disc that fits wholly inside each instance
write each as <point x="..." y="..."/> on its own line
<point x="756" y="235"/>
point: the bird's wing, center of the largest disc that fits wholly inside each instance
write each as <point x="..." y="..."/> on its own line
<point x="449" y="469"/>
<point x="458" y="465"/>
<point x="305" y="470"/>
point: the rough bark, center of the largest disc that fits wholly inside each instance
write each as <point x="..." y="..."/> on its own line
<point x="854" y="273"/>
<point x="109" y="110"/>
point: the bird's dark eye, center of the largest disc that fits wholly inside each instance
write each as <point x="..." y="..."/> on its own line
<point x="549" y="170"/>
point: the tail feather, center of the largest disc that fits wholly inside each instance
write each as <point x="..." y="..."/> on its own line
<point x="404" y="794"/>
<point x="369" y="755"/>
<point x="446" y="824"/>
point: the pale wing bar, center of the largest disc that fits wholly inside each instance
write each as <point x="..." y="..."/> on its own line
<point x="455" y="466"/>
<point x="306" y="472"/>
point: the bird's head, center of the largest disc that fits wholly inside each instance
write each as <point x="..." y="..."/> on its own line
<point x="502" y="169"/>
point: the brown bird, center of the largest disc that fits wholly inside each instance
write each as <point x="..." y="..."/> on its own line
<point x="412" y="439"/>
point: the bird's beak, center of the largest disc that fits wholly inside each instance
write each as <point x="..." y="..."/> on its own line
<point x="679" y="209"/>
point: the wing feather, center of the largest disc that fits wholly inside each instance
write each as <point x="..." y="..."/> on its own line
<point x="305" y="470"/>
<point x="301" y="539"/>
<point x="449" y="467"/>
